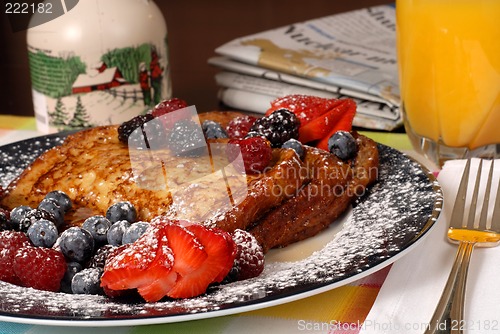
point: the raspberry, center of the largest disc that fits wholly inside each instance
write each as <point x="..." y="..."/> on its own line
<point x="255" y="151"/>
<point x="39" y="268"/>
<point x="278" y="127"/>
<point x="10" y="242"/>
<point x="249" y="261"/>
<point x="167" y="106"/>
<point x="238" y="127"/>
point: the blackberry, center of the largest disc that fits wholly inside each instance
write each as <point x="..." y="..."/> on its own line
<point x="213" y="130"/>
<point x="343" y="145"/>
<point x="295" y="145"/>
<point x="126" y="128"/>
<point x="17" y="215"/>
<point x="278" y="127"/>
<point x="30" y="217"/>
<point x="100" y="256"/>
<point x="134" y="232"/>
<point x="121" y="211"/>
<point x="43" y="233"/>
<point x="4" y="220"/>
<point x="186" y="138"/>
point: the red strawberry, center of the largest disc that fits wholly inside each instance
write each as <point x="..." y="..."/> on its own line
<point x="249" y="261"/>
<point x="10" y="242"/>
<point x="344" y="123"/>
<point x="319" y="127"/>
<point x="238" y="127"/>
<point x="221" y="252"/>
<point x="145" y="264"/>
<point x="166" y="107"/>
<point x="40" y="268"/>
<point x="305" y="107"/>
<point x="256" y="153"/>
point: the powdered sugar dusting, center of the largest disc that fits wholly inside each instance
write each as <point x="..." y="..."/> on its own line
<point x="395" y="213"/>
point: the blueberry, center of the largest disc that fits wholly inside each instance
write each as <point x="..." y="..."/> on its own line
<point x="4" y="220"/>
<point x="133" y="233"/>
<point x="213" y="130"/>
<point x="61" y="198"/>
<point x="76" y="244"/>
<point x="98" y="226"/>
<point x="343" y="145"/>
<point x="71" y="269"/>
<point x="43" y="233"/>
<point x="51" y="207"/>
<point x="295" y="145"/>
<point x="87" y="281"/>
<point x="116" y="231"/>
<point x="121" y="211"/>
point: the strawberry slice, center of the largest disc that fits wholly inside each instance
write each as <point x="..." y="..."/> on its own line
<point x="221" y="253"/>
<point x="305" y="107"/>
<point x="344" y="123"/>
<point x="145" y="264"/>
<point x="319" y="127"/>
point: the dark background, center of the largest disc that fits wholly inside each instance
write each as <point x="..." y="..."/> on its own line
<point x="195" y="29"/>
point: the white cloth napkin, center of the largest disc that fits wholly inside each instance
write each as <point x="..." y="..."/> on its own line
<point x="412" y="289"/>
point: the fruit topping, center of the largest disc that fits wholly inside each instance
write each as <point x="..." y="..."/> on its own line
<point x="121" y="211"/>
<point x="10" y="242"/>
<point x="17" y="215"/>
<point x="134" y="232"/>
<point x="76" y="244"/>
<point x="249" y="261"/>
<point x="295" y="145"/>
<point x="98" y="227"/>
<point x="256" y="153"/>
<point x="305" y="107"/>
<point x="116" y="231"/>
<point x="51" y="207"/>
<point x="43" y="233"/>
<point x="61" y="198"/>
<point x="101" y="255"/>
<point x="4" y="219"/>
<point x="126" y="128"/>
<point x="87" y="281"/>
<point x="338" y="118"/>
<point x="213" y="130"/>
<point x="343" y="145"/>
<point x="31" y="216"/>
<point x="39" y="268"/>
<point x="186" y="138"/>
<point x="239" y="126"/>
<point x="277" y="127"/>
<point x="71" y="269"/>
<point x="166" y="107"/>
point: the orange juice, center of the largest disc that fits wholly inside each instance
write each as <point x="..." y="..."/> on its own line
<point x="449" y="67"/>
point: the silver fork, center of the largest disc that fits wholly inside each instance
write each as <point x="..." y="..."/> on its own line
<point x="448" y="316"/>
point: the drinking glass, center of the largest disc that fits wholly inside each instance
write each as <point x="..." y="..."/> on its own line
<point x="449" y="68"/>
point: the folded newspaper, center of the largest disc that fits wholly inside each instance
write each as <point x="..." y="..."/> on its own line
<point x="352" y="54"/>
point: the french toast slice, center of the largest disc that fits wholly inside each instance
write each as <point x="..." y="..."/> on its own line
<point x="333" y="186"/>
<point x="96" y="170"/>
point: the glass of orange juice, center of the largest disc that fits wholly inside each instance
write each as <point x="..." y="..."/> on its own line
<point x="449" y="68"/>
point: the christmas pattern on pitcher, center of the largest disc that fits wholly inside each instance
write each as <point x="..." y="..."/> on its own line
<point x="126" y="79"/>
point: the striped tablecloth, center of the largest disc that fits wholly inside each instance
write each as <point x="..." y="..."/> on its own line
<point x="341" y="310"/>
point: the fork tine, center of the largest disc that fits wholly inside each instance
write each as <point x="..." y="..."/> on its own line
<point x="473" y="204"/>
<point x="486" y="201"/>
<point x="456" y="220"/>
<point x="495" y="219"/>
